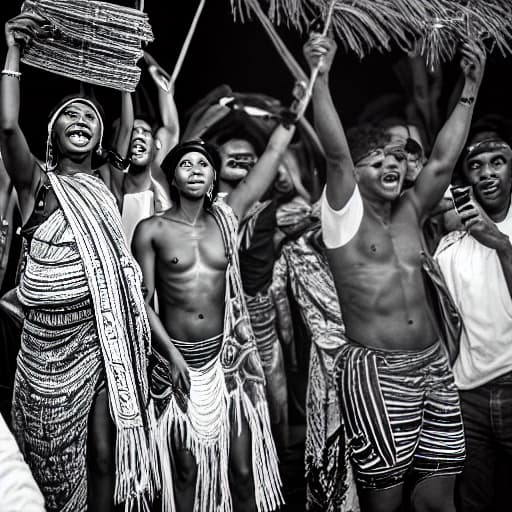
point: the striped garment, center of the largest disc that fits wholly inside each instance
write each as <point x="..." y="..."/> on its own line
<point x="402" y="414"/>
<point x="85" y="322"/>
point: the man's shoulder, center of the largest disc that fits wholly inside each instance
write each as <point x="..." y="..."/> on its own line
<point x="448" y="243"/>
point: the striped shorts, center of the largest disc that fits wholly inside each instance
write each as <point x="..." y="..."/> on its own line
<point x="401" y="413"/>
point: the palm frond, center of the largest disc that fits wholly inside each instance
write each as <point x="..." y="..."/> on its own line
<point x="434" y="27"/>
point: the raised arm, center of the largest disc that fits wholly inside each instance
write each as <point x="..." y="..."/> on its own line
<point x="340" y="181"/>
<point x="19" y="162"/>
<point x="168" y="134"/>
<point x="124" y="134"/>
<point x="144" y="252"/>
<point x="263" y="174"/>
<point x="437" y="173"/>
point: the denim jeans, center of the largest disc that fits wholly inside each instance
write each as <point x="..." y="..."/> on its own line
<point x="487" y="416"/>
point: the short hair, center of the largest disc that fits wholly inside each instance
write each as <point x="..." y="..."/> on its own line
<point x="365" y="138"/>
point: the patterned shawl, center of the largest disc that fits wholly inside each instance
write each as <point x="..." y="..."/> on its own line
<point x="123" y="329"/>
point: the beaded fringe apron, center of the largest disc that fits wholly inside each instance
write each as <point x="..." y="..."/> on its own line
<point x="226" y="388"/>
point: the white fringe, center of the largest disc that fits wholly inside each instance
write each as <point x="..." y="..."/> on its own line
<point x="134" y="484"/>
<point x="205" y="430"/>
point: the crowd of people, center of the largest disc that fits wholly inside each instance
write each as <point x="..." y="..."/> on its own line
<point x="171" y="298"/>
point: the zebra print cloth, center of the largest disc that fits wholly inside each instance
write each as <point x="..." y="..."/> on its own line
<point x="402" y="414"/>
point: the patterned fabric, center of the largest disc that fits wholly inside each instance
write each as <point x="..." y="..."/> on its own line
<point x="302" y="269"/>
<point x="78" y="256"/>
<point x="263" y="321"/>
<point x="241" y="391"/>
<point x="198" y="353"/>
<point x="248" y="224"/>
<point x="402" y="414"/>
<point x="59" y="369"/>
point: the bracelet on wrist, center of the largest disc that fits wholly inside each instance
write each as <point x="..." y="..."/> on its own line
<point x="11" y="73"/>
<point x="467" y="101"/>
<point x="116" y="160"/>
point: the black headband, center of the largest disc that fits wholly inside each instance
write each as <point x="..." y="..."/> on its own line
<point x="172" y="159"/>
<point x="485" y="146"/>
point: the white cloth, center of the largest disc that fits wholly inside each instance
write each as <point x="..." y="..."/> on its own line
<point x="475" y="279"/>
<point x="340" y="226"/>
<point x="136" y="207"/>
<point x="18" y="489"/>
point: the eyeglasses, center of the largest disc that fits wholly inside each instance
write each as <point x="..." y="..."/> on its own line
<point x="241" y="162"/>
<point x="396" y="151"/>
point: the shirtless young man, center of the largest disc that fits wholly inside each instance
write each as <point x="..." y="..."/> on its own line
<point x="400" y="405"/>
<point x="190" y="258"/>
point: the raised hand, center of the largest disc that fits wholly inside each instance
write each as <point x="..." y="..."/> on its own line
<point x="158" y="74"/>
<point x="481" y="226"/>
<point x="473" y="62"/>
<point x="21" y="29"/>
<point x="320" y="50"/>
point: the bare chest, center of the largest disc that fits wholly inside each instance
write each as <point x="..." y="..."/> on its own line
<point x="185" y="248"/>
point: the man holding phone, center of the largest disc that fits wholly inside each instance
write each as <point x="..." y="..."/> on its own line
<point x="477" y="265"/>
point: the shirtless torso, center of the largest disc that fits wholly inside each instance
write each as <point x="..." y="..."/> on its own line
<point x="190" y="262"/>
<point x="380" y="284"/>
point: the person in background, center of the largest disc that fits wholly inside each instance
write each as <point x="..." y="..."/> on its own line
<point x="476" y="261"/>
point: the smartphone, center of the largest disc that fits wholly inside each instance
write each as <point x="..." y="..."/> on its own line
<point x="461" y="196"/>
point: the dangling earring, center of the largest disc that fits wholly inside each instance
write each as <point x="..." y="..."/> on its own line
<point x="50" y="164"/>
<point x="209" y="194"/>
<point x="210" y="189"/>
<point x="158" y="144"/>
<point x="99" y="150"/>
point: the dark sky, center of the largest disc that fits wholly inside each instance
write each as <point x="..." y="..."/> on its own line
<point x="240" y="55"/>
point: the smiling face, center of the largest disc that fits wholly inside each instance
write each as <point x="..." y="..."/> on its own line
<point x="194" y="175"/>
<point x="489" y="173"/>
<point x="381" y="173"/>
<point x="77" y="130"/>
<point x="142" y="145"/>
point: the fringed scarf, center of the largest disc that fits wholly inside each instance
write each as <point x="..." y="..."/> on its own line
<point x="115" y="285"/>
<point x="242" y="390"/>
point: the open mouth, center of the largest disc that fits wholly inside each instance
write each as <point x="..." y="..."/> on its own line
<point x="390" y="179"/>
<point x="138" y="147"/>
<point x="79" y="136"/>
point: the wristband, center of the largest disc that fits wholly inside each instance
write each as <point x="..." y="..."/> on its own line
<point x="11" y="73"/>
<point x="117" y="161"/>
<point x="467" y="101"/>
<point x="288" y="118"/>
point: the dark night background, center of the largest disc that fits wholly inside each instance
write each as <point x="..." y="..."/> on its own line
<point x="241" y="56"/>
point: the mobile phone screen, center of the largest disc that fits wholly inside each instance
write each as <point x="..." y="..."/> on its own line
<point x="461" y="196"/>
